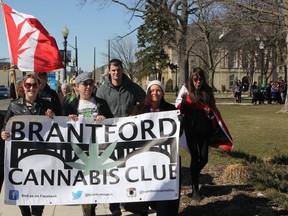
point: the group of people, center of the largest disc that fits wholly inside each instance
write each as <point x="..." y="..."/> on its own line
<point x="119" y="96"/>
<point x="273" y="92"/>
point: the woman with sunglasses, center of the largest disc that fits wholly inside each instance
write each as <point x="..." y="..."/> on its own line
<point x="86" y="104"/>
<point x="28" y="104"/>
<point x="196" y="106"/>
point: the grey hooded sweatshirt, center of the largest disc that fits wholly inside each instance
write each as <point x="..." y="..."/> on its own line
<point x="121" y="99"/>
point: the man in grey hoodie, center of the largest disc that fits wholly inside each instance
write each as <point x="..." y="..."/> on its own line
<point x="119" y="91"/>
<point x="122" y="95"/>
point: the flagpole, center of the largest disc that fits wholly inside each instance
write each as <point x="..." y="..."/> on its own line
<point x="6" y="30"/>
<point x="13" y="78"/>
<point x="9" y="50"/>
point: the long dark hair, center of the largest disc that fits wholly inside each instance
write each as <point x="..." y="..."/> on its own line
<point x="205" y="89"/>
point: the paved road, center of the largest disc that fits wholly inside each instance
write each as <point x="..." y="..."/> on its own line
<point x="53" y="210"/>
<point x="4" y="103"/>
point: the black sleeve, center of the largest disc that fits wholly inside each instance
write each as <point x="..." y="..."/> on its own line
<point x="103" y="108"/>
<point x="12" y="91"/>
<point x="70" y="109"/>
<point x="8" y="115"/>
<point x="183" y="105"/>
<point x="57" y="105"/>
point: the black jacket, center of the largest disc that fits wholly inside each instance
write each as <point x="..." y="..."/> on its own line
<point x="47" y="94"/>
<point x="52" y="96"/>
<point x="102" y="106"/>
<point x="18" y="107"/>
<point x="141" y="108"/>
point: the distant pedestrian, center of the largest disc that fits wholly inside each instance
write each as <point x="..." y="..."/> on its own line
<point x="256" y="94"/>
<point x="64" y="90"/>
<point x="71" y="95"/>
<point x="238" y="89"/>
<point x="13" y="86"/>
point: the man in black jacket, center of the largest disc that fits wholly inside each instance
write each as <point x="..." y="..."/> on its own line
<point x="49" y="94"/>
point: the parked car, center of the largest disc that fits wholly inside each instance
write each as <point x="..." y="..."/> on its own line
<point x="4" y="92"/>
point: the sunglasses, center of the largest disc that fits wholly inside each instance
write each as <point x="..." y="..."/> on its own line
<point x="197" y="79"/>
<point x="29" y="85"/>
<point x="86" y="83"/>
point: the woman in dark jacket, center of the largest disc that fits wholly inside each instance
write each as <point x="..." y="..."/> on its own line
<point x="86" y="104"/>
<point x="197" y="106"/>
<point x="155" y="102"/>
<point x="102" y="106"/>
<point x="29" y="104"/>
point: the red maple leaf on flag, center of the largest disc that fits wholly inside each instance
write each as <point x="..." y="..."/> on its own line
<point x="31" y="47"/>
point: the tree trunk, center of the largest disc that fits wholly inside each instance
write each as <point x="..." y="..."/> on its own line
<point x="183" y="72"/>
<point x="285" y="4"/>
<point x="182" y="48"/>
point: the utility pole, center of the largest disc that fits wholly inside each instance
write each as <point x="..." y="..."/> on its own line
<point x="108" y="51"/>
<point x="94" y="64"/>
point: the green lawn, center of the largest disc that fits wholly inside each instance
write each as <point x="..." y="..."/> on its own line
<point x="256" y="129"/>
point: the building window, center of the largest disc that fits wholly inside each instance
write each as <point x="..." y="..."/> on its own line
<point x="232" y="81"/>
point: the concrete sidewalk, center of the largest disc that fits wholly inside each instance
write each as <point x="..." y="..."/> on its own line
<point x="71" y="210"/>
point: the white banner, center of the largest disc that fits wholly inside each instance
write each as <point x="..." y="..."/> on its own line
<point x="59" y="161"/>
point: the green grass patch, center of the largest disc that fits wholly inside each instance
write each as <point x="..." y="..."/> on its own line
<point x="260" y="140"/>
<point x="256" y="129"/>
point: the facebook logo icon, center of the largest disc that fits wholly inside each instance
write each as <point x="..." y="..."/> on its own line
<point x="13" y="194"/>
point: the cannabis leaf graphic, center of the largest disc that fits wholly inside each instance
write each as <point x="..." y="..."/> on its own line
<point x="94" y="161"/>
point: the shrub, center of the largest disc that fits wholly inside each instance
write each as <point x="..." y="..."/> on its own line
<point x="270" y="176"/>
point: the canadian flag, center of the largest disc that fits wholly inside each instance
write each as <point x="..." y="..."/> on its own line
<point x="31" y="47"/>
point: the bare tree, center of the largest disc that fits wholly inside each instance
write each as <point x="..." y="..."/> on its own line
<point x="203" y="37"/>
<point x="180" y="10"/>
<point x="125" y="50"/>
<point x="205" y="16"/>
<point x="252" y="28"/>
<point x="271" y="12"/>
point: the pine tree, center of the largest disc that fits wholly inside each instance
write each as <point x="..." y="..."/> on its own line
<point x="153" y="37"/>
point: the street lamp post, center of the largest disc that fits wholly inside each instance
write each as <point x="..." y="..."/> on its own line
<point x="94" y="64"/>
<point x="65" y="33"/>
<point x="261" y="47"/>
<point x="76" y="55"/>
<point x="109" y="51"/>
